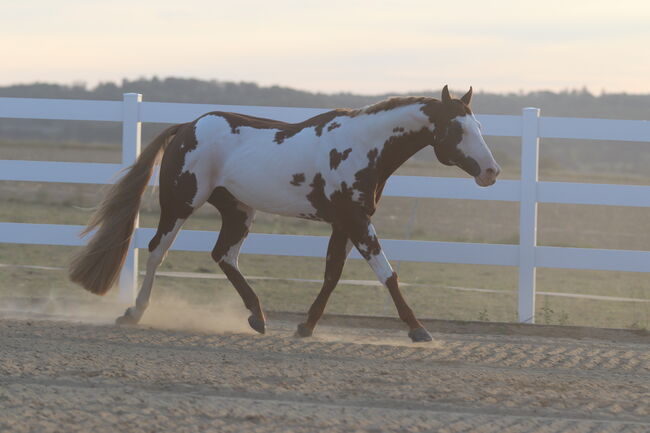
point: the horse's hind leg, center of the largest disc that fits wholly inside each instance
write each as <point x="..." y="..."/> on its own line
<point x="168" y="228"/>
<point x="337" y="251"/>
<point x="175" y="208"/>
<point x="237" y="219"/>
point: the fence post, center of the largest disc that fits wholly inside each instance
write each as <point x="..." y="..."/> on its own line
<point x="130" y="150"/>
<point x="528" y="213"/>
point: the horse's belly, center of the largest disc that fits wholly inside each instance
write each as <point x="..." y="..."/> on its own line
<point x="274" y="197"/>
<point x="274" y="184"/>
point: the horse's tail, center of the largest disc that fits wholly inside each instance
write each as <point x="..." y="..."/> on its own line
<point x="97" y="266"/>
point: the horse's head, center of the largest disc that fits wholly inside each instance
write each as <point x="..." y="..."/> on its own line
<point x="458" y="140"/>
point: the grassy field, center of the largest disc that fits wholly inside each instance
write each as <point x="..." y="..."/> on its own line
<point x="431" y="287"/>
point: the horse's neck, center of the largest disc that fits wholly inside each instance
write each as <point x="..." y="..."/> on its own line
<point x="403" y="132"/>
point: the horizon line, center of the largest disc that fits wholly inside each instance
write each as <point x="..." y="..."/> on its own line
<point x="92" y="85"/>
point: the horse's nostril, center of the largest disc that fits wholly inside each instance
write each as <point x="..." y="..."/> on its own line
<point x="492" y="172"/>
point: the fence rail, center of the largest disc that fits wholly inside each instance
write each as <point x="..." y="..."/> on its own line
<point x="528" y="191"/>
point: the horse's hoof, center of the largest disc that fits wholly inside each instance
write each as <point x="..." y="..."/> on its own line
<point x="128" y="319"/>
<point x="257" y="324"/>
<point x="303" y="331"/>
<point x="420" y="335"/>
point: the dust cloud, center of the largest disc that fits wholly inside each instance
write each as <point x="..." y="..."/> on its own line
<point x="173" y="312"/>
<point x="165" y="312"/>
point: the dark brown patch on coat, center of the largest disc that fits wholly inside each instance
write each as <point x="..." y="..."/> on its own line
<point x="285" y="130"/>
<point x="398" y="129"/>
<point x="342" y="198"/>
<point x="177" y="188"/>
<point x="369" y="181"/>
<point x="336" y="157"/>
<point x="184" y="193"/>
<point x="368" y="244"/>
<point x="351" y="217"/>
<point x="391" y="282"/>
<point x="318" y="200"/>
<point x="298" y="179"/>
<point x="448" y="153"/>
<point x="317" y="122"/>
<point x="439" y="113"/>
<point x="396" y="102"/>
<point x="397" y="149"/>
<point x="449" y="133"/>
<point x="332" y="126"/>
<point x="236" y="121"/>
<point x="366" y="181"/>
<point x="340" y="206"/>
<point x="447" y="140"/>
<point x="221" y="198"/>
<point x="233" y="228"/>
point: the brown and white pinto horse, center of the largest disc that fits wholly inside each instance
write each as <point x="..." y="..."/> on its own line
<point x="330" y="168"/>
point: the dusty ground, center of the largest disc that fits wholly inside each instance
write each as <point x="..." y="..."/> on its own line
<point x="68" y="375"/>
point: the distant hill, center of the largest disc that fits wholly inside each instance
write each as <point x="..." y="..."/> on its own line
<point x="575" y="103"/>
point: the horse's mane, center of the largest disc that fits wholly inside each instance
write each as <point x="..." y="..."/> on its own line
<point x="395" y="102"/>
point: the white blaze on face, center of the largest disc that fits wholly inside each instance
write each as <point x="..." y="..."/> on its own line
<point x="473" y="145"/>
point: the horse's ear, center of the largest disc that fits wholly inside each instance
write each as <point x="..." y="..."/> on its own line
<point x="467" y="98"/>
<point x="446" y="98"/>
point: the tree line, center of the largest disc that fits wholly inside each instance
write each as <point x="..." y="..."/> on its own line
<point x="569" y="103"/>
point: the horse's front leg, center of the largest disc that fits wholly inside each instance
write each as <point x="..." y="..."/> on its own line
<point x="337" y="251"/>
<point x="363" y="235"/>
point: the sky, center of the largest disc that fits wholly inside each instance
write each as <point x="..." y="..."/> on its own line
<point x="366" y="47"/>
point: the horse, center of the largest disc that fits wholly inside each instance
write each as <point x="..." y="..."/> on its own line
<point x="330" y="168"/>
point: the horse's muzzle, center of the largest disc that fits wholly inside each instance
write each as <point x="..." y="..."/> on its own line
<point x="487" y="177"/>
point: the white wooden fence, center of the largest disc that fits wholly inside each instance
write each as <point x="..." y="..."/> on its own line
<point x="529" y="191"/>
